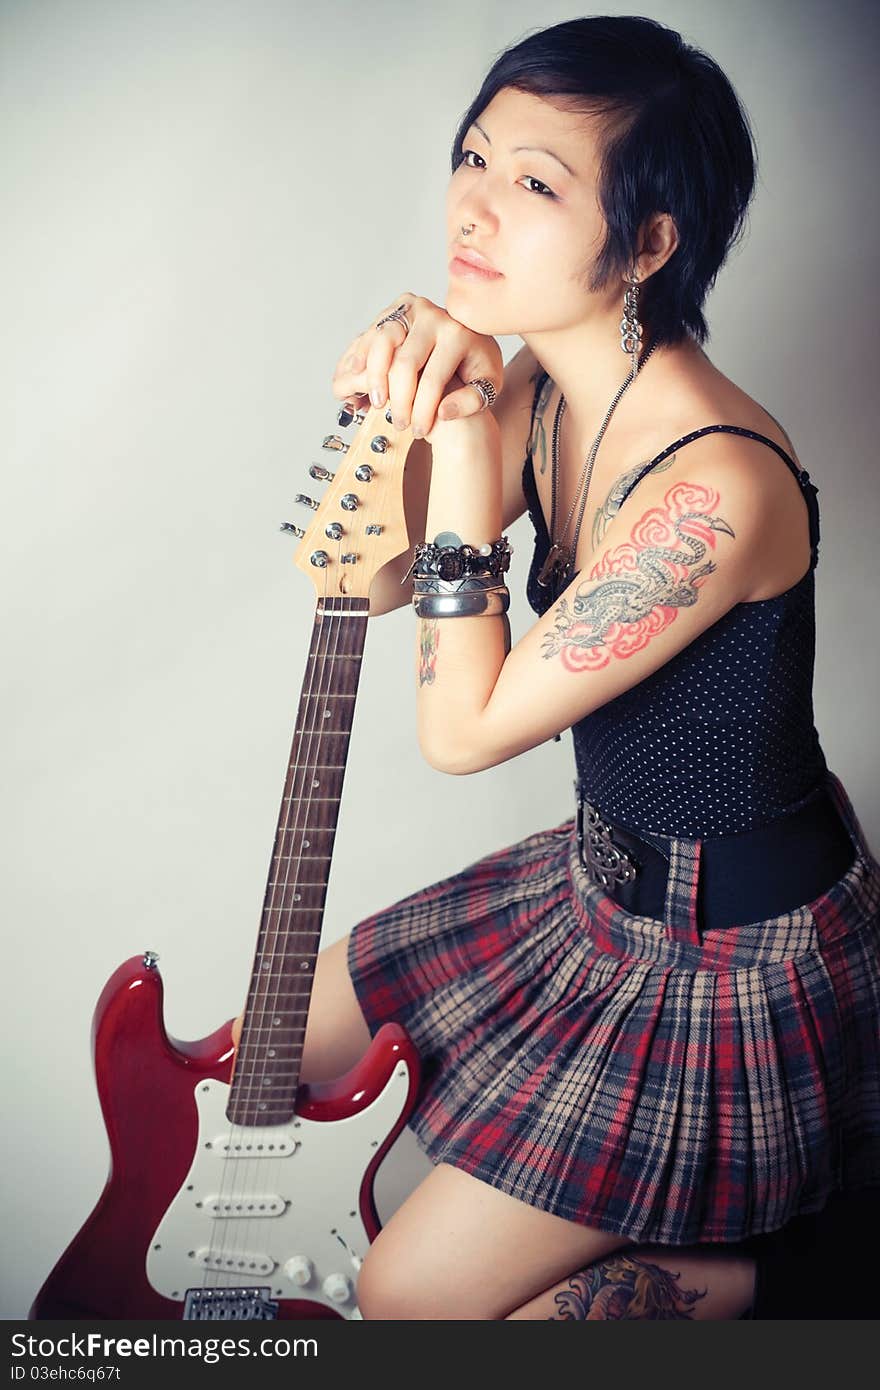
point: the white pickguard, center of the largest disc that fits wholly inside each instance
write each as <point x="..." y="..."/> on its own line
<point x="276" y="1207"/>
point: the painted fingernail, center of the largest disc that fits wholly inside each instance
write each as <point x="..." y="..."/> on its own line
<point x="377" y="395"/>
<point x="450" y="412"/>
<point x="418" y="433"/>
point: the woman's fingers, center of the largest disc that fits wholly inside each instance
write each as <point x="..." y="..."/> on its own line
<point x="349" y="376"/>
<point x="443" y="392"/>
<point x="382" y="351"/>
<point x="467" y="400"/>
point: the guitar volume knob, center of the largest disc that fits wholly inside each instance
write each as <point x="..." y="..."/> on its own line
<point x="299" y="1270"/>
<point x="337" y="1288"/>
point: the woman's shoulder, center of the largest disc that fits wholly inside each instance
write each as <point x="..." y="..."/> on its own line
<point x="737" y="460"/>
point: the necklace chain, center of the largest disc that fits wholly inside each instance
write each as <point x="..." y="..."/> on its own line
<point x="560" y="557"/>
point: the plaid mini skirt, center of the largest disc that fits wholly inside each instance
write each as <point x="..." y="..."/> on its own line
<point x="632" y="1073"/>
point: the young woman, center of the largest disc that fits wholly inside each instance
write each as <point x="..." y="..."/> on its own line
<point x="649" y="1034"/>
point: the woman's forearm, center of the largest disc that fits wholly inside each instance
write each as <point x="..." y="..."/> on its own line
<point x="458" y="659"/>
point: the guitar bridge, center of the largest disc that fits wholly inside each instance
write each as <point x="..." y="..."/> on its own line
<point x="229" y="1305"/>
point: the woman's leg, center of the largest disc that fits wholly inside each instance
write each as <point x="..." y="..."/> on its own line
<point x="337" y="1035"/>
<point x="459" y="1248"/>
<point x="653" y="1282"/>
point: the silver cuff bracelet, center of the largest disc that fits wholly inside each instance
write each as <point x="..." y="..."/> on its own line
<point x="433" y="584"/>
<point x="470" y="603"/>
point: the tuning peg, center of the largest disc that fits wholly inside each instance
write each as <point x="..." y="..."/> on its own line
<point x="321" y="474"/>
<point x="289" y="526"/>
<point x="306" y="501"/>
<point x="332" y="441"/>
<point x="347" y="415"/>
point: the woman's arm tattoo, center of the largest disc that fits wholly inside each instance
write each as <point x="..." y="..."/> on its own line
<point x="607" y="510"/>
<point x="429" y="639"/>
<point x="644" y="582"/>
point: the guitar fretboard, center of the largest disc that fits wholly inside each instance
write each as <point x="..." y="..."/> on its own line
<point x="269" y="1056"/>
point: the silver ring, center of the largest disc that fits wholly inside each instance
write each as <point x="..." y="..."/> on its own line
<point x="486" y="390"/>
<point x="398" y="315"/>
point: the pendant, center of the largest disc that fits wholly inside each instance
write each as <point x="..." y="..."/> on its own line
<point x="555" y="564"/>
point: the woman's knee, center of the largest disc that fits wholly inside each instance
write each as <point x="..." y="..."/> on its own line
<point x="337" y="1035"/>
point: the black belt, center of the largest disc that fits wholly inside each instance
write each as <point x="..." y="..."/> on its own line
<point x="746" y="877"/>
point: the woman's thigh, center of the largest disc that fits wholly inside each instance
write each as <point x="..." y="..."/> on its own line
<point x="337" y="1035"/>
<point x="459" y="1248"/>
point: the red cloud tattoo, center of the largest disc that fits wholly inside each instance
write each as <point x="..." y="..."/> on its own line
<point x="645" y="581"/>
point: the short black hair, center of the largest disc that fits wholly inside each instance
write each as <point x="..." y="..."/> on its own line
<point x="674" y="137"/>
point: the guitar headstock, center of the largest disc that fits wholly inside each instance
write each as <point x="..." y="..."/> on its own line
<point x="360" y="523"/>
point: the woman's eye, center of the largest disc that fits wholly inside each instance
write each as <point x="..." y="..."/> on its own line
<point x="545" y="191"/>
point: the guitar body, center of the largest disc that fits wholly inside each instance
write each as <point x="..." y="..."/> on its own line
<point x="246" y="1218"/>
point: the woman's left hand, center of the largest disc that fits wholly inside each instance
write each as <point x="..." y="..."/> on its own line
<point x="423" y="374"/>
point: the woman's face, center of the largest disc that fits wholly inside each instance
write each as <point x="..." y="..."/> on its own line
<point x="536" y="219"/>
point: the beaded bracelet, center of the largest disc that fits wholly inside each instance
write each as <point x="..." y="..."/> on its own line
<point x="449" y="558"/>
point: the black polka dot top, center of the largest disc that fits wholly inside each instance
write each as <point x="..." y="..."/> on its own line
<point x="721" y="738"/>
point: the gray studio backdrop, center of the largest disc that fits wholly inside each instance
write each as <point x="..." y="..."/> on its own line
<point x="202" y="202"/>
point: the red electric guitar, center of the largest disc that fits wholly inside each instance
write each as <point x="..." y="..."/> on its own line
<point x="242" y="1193"/>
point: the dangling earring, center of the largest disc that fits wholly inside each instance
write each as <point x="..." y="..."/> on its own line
<point x="630" y="328"/>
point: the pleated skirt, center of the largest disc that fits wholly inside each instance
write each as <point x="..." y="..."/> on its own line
<point x="592" y="1063"/>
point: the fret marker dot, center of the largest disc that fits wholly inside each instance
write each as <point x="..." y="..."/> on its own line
<point x="326" y="714"/>
<point x="315" y="783"/>
<point x="306" y="844"/>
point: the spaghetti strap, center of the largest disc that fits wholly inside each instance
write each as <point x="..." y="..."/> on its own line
<point x="808" y="488"/>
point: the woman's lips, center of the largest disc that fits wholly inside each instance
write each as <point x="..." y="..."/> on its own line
<point x="472" y="272"/>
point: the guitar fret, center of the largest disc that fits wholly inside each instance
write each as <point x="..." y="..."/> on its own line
<point x="276" y="1013"/>
<point x="325" y="732"/>
<point x="278" y="1074"/>
<point x="320" y="767"/>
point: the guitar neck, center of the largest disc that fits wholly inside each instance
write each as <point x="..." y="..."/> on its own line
<point x="269" y="1057"/>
